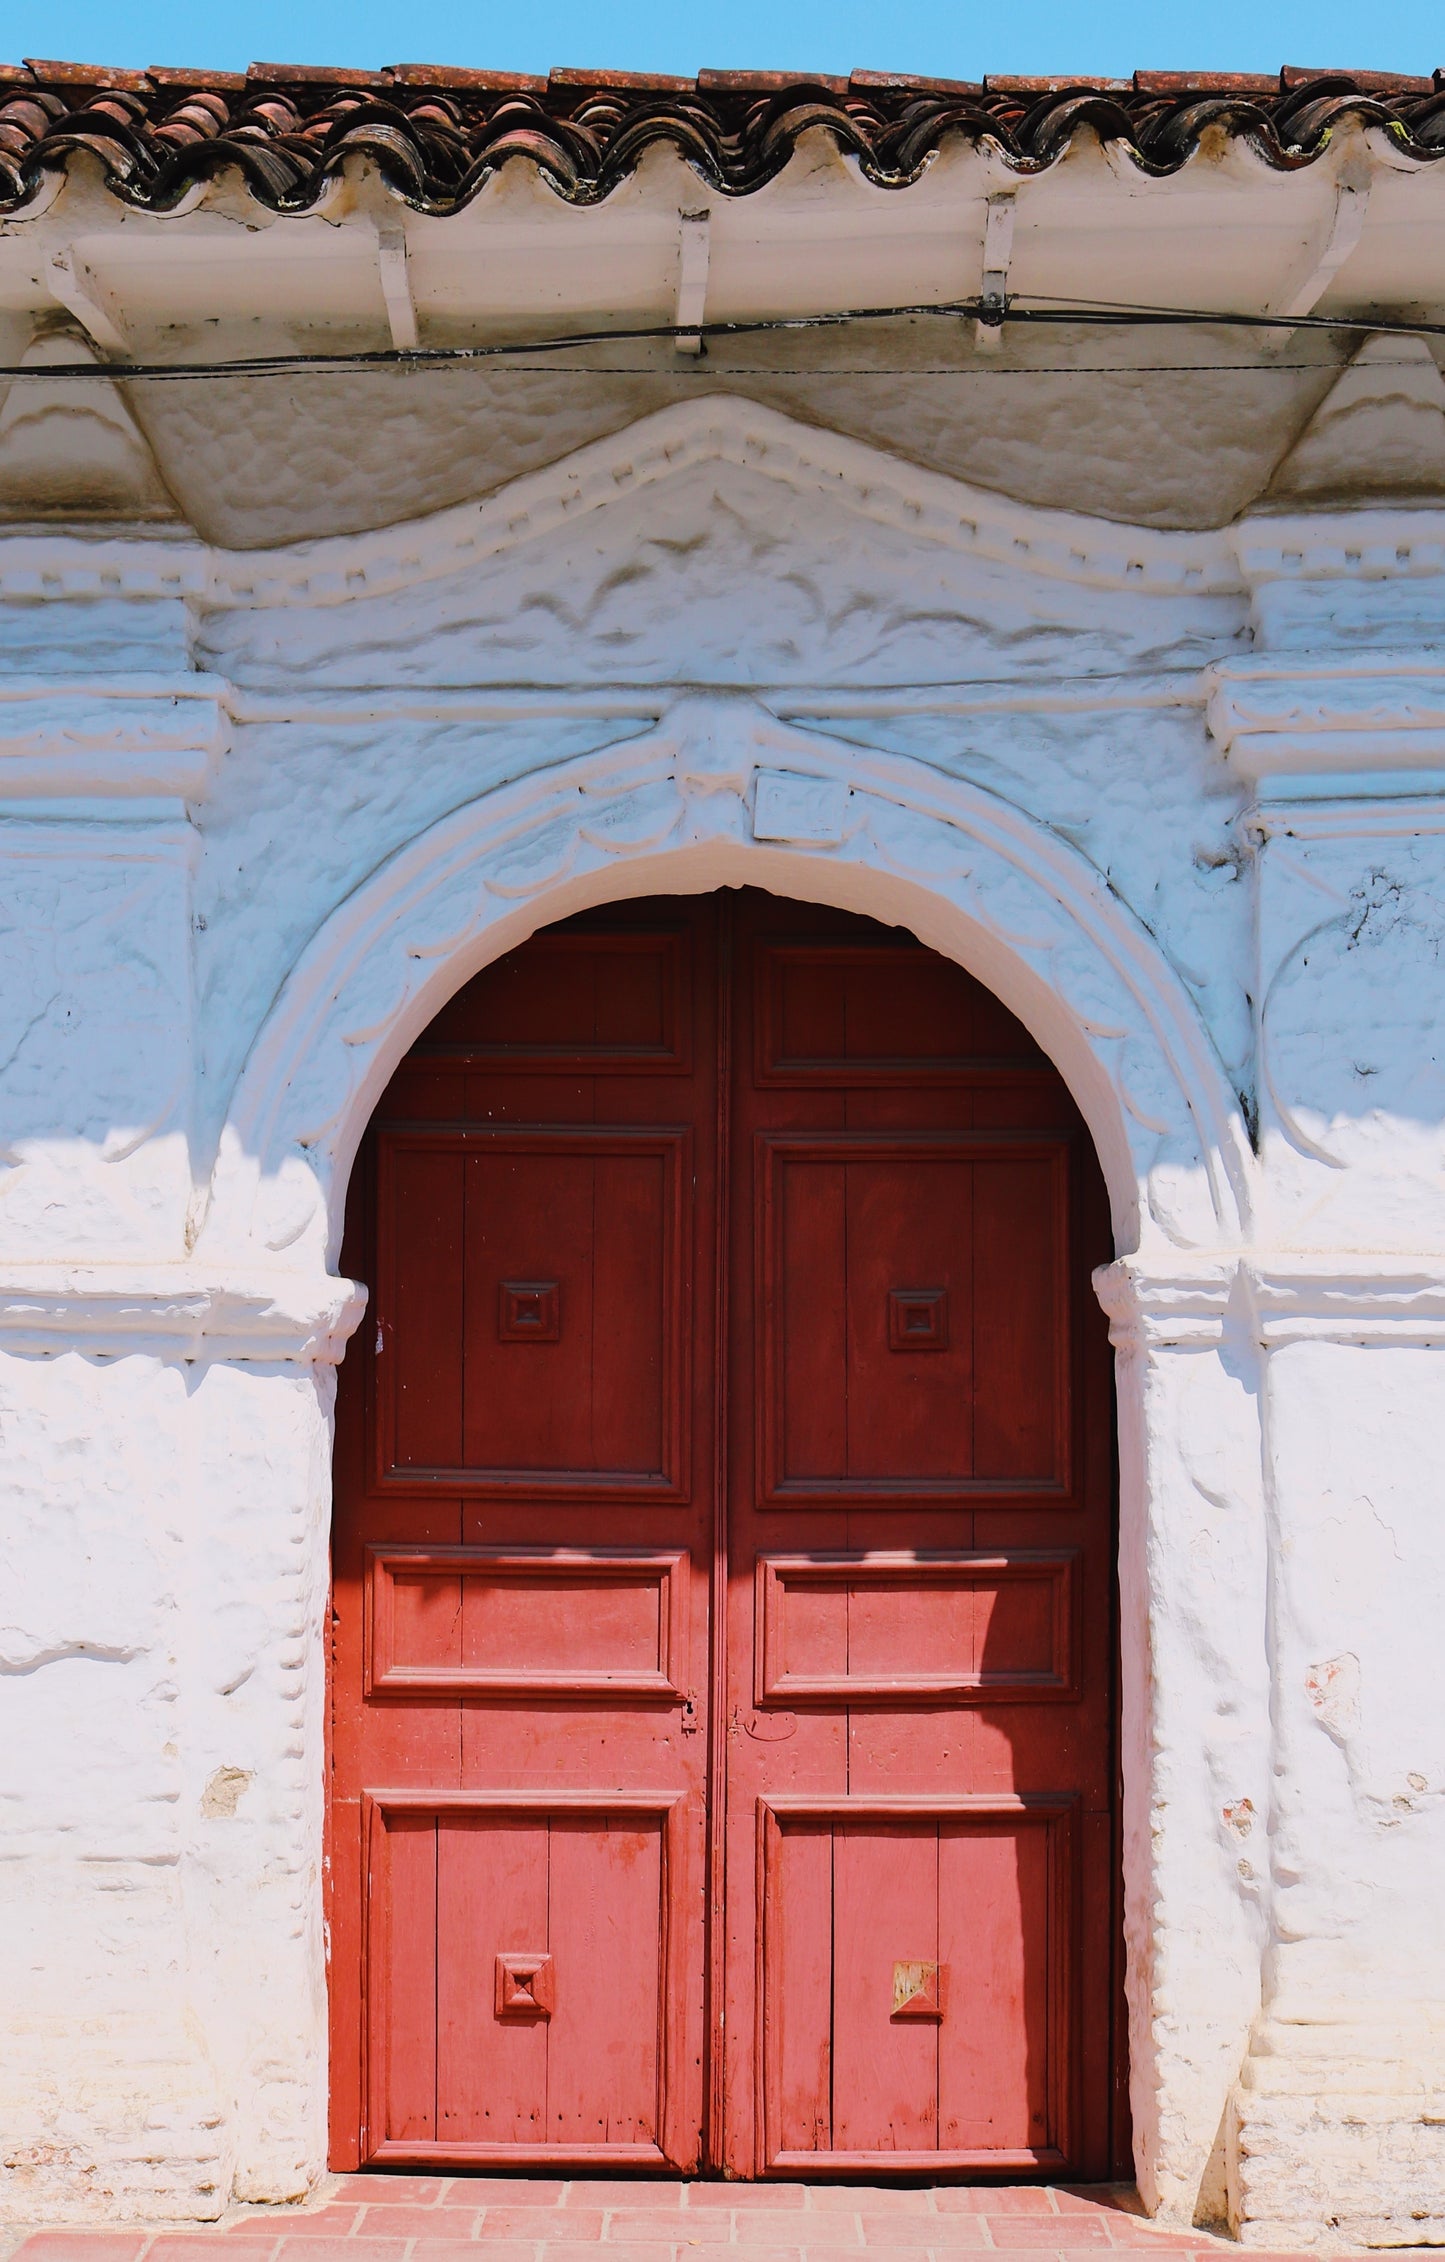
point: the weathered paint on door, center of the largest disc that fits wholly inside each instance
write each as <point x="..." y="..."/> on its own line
<point x="723" y="1767"/>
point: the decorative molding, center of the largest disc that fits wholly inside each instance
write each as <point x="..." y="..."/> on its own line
<point x="114" y="738"/>
<point x="674" y="808"/>
<point x="1359" y="545"/>
<point x="1076" y="695"/>
<point x="1373" y="813"/>
<point x="1273" y="1298"/>
<point x="1150" y="1308"/>
<point x="149" y="563"/>
<point x="1352" y="545"/>
<point x="175" y="1312"/>
<point x="1375" y="712"/>
<point x="925" y="506"/>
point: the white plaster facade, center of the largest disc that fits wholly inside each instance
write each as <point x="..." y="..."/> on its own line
<point x="1177" y="795"/>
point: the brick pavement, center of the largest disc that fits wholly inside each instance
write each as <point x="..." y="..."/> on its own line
<point x="405" y="2218"/>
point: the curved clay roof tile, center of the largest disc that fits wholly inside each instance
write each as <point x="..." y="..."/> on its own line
<point x="438" y="135"/>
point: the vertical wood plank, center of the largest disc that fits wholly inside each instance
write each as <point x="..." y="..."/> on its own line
<point x="408" y="2001"/>
<point x="606" y="1933"/>
<point x="1020" y="1307"/>
<point x="421" y="1307"/>
<point x="885" y="2070"/>
<point x="994" y="1938"/>
<point x="798" y="2042"/>
<point x="808" y="1337"/>
<point x="628" y="1318"/>
<point x="491" y="1896"/>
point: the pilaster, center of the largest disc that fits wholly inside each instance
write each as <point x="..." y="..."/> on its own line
<point x="1337" y="725"/>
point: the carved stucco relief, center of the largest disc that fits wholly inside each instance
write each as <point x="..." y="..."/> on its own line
<point x="716" y="794"/>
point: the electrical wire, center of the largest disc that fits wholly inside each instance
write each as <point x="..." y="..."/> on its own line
<point x="992" y="312"/>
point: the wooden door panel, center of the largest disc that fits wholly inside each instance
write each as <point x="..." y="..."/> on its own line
<point x="570" y="1002"/>
<point x="605" y="1622"/>
<point x="524" y="1992"/>
<point x="887" y="1371"/>
<point x="908" y="1626"/>
<point x="919" y="1975"/>
<point x="557" y="1356"/>
<point x="858" y="1014"/>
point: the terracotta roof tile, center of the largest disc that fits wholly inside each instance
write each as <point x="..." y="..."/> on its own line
<point x="219" y="82"/>
<point x="614" y="82"/>
<point x="310" y="74"/>
<point x="436" y="133"/>
<point x="83" y="74"/>
<point x="449" y="74"/>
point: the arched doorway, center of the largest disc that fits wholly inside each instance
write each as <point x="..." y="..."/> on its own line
<point x="723" y="1768"/>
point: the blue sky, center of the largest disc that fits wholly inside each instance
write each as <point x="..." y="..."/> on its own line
<point x="945" y="36"/>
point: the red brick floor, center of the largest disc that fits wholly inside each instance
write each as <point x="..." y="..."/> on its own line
<point x="396" y="2218"/>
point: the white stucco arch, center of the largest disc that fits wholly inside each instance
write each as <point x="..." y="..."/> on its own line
<point x="720" y="792"/>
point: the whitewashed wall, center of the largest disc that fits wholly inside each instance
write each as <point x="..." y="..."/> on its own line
<point x="1180" y="798"/>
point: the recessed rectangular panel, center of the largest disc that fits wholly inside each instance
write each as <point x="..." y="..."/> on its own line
<point x="574" y="1002"/>
<point x="867" y="1013"/>
<point x="554" y="1359"/>
<point x="914" y="1316"/>
<point x="974" y="1628"/>
<point x="601" y="1621"/>
<point x="918" y="1981"/>
<point x="528" y="2015"/>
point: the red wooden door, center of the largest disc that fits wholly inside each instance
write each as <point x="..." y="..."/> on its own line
<point x="723" y="1627"/>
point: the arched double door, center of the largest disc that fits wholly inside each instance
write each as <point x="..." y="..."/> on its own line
<point x="723" y="1769"/>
